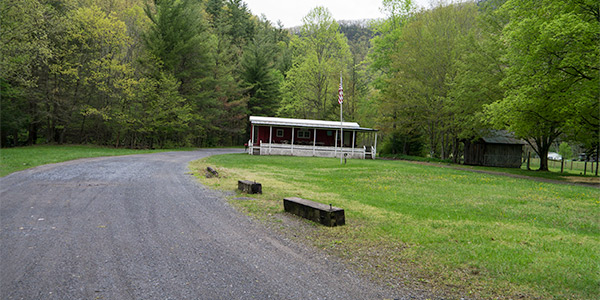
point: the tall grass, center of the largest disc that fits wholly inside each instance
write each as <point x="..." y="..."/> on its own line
<point x="451" y="230"/>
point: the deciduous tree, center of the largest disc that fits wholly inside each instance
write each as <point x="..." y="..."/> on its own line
<point x="552" y="77"/>
<point x="320" y="54"/>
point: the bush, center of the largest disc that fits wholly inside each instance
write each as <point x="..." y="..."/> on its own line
<point x="403" y="144"/>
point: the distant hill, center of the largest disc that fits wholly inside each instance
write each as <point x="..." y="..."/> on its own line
<point x="354" y="30"/>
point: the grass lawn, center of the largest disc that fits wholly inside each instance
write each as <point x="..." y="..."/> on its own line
<point x="21" y="158"/>
<point x="455" y="232"/>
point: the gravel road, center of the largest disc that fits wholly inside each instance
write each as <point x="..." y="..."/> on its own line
<point x="138" y="227"/>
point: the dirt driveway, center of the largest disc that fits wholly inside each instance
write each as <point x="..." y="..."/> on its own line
<point x="138" y="227"/>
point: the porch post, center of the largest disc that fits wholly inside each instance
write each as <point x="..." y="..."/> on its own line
<point x="335" y="147"/>
<point x="251" y="146"/>
<point x="270" y="137"/>
<point x="292" y="141"/>
<point x="353" y="140"/>
<point x="314" y="142"/>
<point x="375" y="150"/>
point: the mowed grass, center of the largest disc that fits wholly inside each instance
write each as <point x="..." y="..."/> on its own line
<point x="21" y="158"/>
<point x="454" y="232"/>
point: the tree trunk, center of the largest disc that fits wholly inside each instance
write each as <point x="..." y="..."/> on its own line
<point x="81" y="131"/>
<point x="542" y="145"/>
<point x="118" y="138"/>
<point x="61" y="135"/>
<point x="456" y="151"/>
<point x="32" y="134"/>
<point x="3" y="138"/>
<point x="49" y="131"/>
<point x="443" y="146"/>
<point x="597" y="158"/>
<point x="543" y="152"/>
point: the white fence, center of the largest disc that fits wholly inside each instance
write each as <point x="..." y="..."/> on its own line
<point x="303" y="150"/>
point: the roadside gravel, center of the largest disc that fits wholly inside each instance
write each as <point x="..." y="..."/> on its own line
<point x="138" y="227"/>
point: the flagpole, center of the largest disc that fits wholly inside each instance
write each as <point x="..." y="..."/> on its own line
<point x="341" y="133"/>
<point x="341" y="100"/>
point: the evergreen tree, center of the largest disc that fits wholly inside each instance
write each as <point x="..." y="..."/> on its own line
<point x="260" y="74"/>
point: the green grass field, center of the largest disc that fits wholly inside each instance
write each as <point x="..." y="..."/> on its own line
<point x="21" y="158"/>
<point x="459" y="233"/>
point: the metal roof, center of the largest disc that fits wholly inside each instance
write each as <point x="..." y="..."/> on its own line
<point x="286" y="122"/>
<point x="502" y="137"/>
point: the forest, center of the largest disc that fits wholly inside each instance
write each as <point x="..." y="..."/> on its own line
<point x="175" y="73"/>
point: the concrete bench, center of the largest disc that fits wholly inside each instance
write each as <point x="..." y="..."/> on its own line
<point x="249" y="187"/>
<point x="314" y="211"/>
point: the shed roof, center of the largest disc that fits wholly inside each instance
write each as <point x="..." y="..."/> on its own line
<point x="502" y="137"/>
<point x="287" y="122"/>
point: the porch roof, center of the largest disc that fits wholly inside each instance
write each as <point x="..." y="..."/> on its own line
<point x="320" y="124"/>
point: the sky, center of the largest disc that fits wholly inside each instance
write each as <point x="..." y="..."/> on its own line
<point x="291" y="12"/>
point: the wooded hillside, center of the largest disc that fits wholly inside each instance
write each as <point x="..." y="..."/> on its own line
<point x="169" y="73"/>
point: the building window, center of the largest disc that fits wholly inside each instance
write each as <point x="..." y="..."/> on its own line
<point x="303" y="134"/>
<point x="329" y="133"/>
<point x="279" y="132"/>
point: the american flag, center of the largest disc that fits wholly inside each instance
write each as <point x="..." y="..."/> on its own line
<point x="341" y="92"/>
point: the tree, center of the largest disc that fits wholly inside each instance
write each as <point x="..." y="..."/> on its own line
<point x="565" y="150"/>
<point x="181" y="45"/>
<point x="25" y="46"/>
<point x="356" y="85"/>
<point x="259" y="72"/>
<point x="479" y="69"/>
<point x="552" y="75"/>
<point x="179" y="38"/>
<point x="127" y="72"/>
<point x="415" y="93"/>
<point x="386" y="43"/>
<point x="320" y="53"/>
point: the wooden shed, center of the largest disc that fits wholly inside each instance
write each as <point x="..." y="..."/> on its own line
<point x="498" y="149"/>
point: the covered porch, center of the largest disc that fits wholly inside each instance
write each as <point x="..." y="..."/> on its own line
<point x="301" y="137"/>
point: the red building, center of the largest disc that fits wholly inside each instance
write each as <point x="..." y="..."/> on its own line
<point x="300" y="137"/>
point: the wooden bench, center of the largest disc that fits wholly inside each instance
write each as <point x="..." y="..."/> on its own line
<point x="249" y="187"/>
<point x="321" y="213"/>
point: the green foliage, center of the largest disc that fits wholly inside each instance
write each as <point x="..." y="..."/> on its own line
<point x="261" y="76"/>
<point x="565" y="150"/>
<point x="127" y="73"/>
<point x="13" y="116"/>
<point x="479" y="69"/>
<point x="358" y="106"/>
<point x="321" y="52"/>
<point x="389" y="31"/>
<point x="415" y="95"/>
<point x="186" y="72"/>
<point x="403" y="144"/>
<point x="552" y="75"/>
<point x="24" y="40"/>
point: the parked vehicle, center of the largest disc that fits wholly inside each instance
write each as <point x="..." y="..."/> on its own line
<point x="554" y="156"/>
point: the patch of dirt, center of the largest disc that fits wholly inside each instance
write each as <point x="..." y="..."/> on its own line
<point x="593" y="181"/>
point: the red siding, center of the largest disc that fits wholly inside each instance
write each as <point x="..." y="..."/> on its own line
<point x="323" y="139"/>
